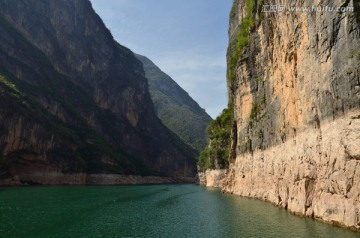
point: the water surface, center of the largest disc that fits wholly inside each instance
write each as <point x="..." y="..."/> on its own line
<point x="148" y="211"/>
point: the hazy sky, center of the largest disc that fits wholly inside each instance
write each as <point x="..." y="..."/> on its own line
<point x="187" y="39"/>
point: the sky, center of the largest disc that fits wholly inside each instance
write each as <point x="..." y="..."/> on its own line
<point x="186" y="39"/>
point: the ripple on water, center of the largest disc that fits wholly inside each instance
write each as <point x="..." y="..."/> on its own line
<point x="148" y="211"/>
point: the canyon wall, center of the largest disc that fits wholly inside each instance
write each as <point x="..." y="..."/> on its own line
<point x="74" y="101"/>
<point x="294" y="86"/>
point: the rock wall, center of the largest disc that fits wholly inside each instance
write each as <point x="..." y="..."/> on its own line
<point x="316" y="174"/>
<point x="296" y="98"/>
<point x="212" y="178"/>
<point x="73" y="100"/>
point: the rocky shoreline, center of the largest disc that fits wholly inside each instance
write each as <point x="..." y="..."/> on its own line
<point x="57" y="178"/>
<point x="317" y="174"/>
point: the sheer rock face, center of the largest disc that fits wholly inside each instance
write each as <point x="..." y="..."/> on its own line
<point x="316" y="174"/>
<point x="75" y="101"/>
<point x="212" y="178"/>
<point x="296" y="100"/>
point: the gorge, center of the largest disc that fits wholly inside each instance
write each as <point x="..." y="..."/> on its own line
<point x="78" y="108"/>
<point x="75" y="105"/>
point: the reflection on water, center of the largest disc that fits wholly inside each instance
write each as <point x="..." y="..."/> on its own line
<point x="148" y="211"/>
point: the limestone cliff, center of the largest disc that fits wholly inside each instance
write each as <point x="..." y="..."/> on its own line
<point x="74" y="101"/>
<point x="212" y="178"/>
<point x="294" y="84"/>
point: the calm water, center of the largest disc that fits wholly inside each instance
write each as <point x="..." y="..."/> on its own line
<point x="147" y="211"/>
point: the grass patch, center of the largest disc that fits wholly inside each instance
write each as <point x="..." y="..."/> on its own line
<point x="255" y="110"/>
<point x="8" y="84"/>
<point x="233" y="11"/>
<point x="258" y="79"/>
<point x="11" y="88"/>
<point x="354" y="54"/>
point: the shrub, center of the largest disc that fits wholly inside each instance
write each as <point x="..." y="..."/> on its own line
<point x="218" y="149"/>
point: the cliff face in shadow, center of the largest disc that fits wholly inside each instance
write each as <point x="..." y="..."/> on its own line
<point x="75" y="101"/>
<point x="294" y="86"/>
<point x="174" y="106"/>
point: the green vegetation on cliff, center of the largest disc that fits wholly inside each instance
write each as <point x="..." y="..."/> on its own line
<point x="217" y="152"/>
<point x="175" y="108"/>
<point x="240" y="40"/>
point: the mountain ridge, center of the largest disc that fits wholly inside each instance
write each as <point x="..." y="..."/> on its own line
<point x="175" y="107"/>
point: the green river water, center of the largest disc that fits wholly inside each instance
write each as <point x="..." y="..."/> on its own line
<point x="148" y="211"/>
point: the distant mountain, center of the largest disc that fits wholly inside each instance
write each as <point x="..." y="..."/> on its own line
<point x="73" y="102"/>
<point x="175" y="108"/>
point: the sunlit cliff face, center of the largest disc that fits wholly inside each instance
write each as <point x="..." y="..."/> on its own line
<point x="296" y="99"/>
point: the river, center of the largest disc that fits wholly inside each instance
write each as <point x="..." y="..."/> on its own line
<point x="148" y="211"/>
